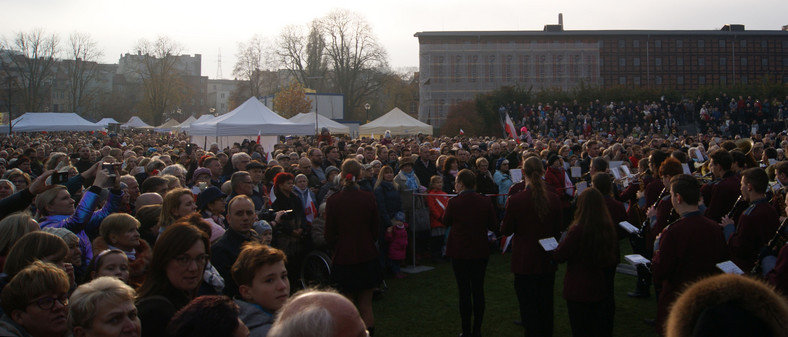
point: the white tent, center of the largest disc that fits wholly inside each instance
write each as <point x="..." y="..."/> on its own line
<point x="249" y="119"/>
<point x="51" y="122"/>
<point x="396" y="121"/>
<point x="186" y="123"/>
<point x="105" y="122"/>
<point x="186" y="126"/>
<point x="135" y="123"/>
<point x="168" y="126"/>
<point x="322" y="121"/>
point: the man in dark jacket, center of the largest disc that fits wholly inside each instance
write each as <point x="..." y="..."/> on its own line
<point x="424" y="167"/>
<point x="240" y="218"/>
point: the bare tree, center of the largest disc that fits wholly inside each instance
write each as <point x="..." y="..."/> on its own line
<point x="163" y="87"/>
<point x="303" y="55"/>
<point x="254" y="63"/>
<point x="355" y="58"/>
<point x="31" y="59"/>
<point x="81" y="69"/>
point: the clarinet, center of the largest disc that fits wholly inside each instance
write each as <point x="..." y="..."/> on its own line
<point x="773" y="247"/>
<point x="733" y="209"/>
<point x="644" y="226"/>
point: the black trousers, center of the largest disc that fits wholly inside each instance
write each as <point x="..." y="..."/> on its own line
<point x="594" y="318"/>
<point x="535" y="294"/>
<point x="469" y="275"/>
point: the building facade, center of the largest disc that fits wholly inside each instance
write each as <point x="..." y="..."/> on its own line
<point x="456" y="66"/>
<point x="219" y="92"/>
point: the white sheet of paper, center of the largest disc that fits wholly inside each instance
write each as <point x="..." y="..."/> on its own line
<point x="728" y="267"/>
<point x="616" y="173"/>
<point x="517" y="175"/>
<point x="549" y="244"/>
<point x="772" y="161"/>
<point x="628" y="227"/>
<point x="581" y="186"/>
<point x="507" y="243"/>
<point x="636" y="259"/>
<point x="626" y="170"/>
<point x="614" y="164"/>
<point x="686" y="168"/>
<point x="576" y="172"/>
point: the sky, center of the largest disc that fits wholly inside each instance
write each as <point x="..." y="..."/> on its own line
<point x="208" y="27"/>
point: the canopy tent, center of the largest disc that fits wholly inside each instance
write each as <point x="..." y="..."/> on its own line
<point x="186" y="125"/>
<point x="169" y="125"/>
<point x="396" y="121"/>
<point x="248" y="120"/>
<point x="135" y="123"/>
<point x="51" y="122"/>
<point x="322" y="122"/>
<point x="105" y="122"/>
<point x="187" y="122"/>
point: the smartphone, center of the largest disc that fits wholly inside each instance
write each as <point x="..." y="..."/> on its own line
<point x="110" y="167"/>
<point x="189" y="149"/>
<point x="59" y="178"/>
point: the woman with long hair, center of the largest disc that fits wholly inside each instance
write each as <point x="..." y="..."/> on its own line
<point x="449" y="171"/>
<point x="352" y="225"/>
<point x="12" y="228"/>
<point x="589" y="249"/>
<point x="469" y="216"/>
<point x="533" y="214"/>
<point x="175" y="274"/>
<point x="177" y="203"/>
<point x="389" y="203"/>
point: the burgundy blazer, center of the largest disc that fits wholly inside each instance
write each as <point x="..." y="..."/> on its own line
<point x="652" y="192"/>
<point x="470" y="216"/>
<point x="723" y="196"/>
<point x="352" y="225"/>
<point x="520" y="219"/>
<point x="689" y="250"/>
<point x="664" y="217"/>
<point x="755" y="228"/>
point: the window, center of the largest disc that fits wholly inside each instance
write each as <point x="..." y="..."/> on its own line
<point x="658" y="43"/>
<point x="679" y="43"/>
<point x="721" y="43"/>
<point x="621" y="43"/>
<point x="701" y="61"/>
<point x="636" y="62"/>
<point x="723" y="61"/>
<point x="222" y="95"/>
<point x="679" y="79"/>
<point x="765" y="62"/>
<point x="764" y="44"/>
<point x="701" y="80"/>
<point x="679" y="61"/>
<point x="744" y="80"/>
<point x="636" y="80"/>
<point x="723" y="79"/>
<point x="622" y="80"/>
<point x="744" y="61"/>
<point x="636" y="44"/>
<point x="622" y="62"/>
<point x="658" y="61"/>
<point x="785" y="62"/>
<point x="743" y="43"/>
<point x="701" y="43"/>
<point x="658" y="79"/>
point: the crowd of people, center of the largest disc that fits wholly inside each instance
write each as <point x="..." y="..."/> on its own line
<point x="151" y="234"/>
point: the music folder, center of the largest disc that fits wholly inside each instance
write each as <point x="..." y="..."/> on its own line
<point x="549" y="244"/>
<point x="728" y="267"/>
<point x="636" y="259"/>
<point x="628" y="227"/>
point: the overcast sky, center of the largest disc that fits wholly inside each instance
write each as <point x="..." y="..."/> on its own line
<point x="205" y="27"/>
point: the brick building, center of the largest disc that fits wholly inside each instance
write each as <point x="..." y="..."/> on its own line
<point x="455" y="66"/>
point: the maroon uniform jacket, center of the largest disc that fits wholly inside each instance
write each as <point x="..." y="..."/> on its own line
<point x="723" y="195"/>
<point x="470" y="215"/>
<point x="352" y="225"/>
<point x="652" y="192"/>
<point x="665" y="215"/>
<point x="584" y="280"/>
<point x="689" y="249"/>
<point x="528" y="256"/>
<point x="755" y="228"/>
<point x="778" y="277"/>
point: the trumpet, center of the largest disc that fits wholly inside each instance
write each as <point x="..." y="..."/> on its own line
<point x="772" y="248"/>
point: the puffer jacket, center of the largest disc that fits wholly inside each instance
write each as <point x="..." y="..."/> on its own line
<point x="84" y="222"/>
<point x="389" y="202"/>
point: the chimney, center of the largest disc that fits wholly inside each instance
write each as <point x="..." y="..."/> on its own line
<point x="561" y="19"/>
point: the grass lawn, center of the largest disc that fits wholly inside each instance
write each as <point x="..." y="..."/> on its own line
<point x="425" y="304"/>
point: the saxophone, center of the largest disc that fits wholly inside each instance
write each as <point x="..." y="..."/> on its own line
<point x="772" y="248"/>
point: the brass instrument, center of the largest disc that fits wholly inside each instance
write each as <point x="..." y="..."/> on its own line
<point x="773" y="247"/>
<point x="745" y="145"/>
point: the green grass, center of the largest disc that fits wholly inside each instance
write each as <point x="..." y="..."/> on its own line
<point x="425" y="304"/>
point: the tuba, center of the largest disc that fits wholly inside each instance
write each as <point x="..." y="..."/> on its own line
<point x="745" y="145"/>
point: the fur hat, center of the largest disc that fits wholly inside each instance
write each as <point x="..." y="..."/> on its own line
<point x="728" y="305"/>
<point x="408" y="160"/>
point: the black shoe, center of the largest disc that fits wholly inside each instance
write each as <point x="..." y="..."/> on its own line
<point x="638" y="294"/>
<point x="650" y="321"/>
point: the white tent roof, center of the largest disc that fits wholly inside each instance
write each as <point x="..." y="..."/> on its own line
<point x="322" y="121"/>
<point x="170" y="125"/>
<point x="396" y="121"/>
<point x="135" y="123"/>
<point x="106" y="121"/>
<point x="248" y="119"/>
<point x="51" y="122"/>
<point x="187" y="122"/>
<point x="186" y="125"/>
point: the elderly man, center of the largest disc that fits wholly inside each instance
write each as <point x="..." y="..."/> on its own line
<point x="131" y="190"/>
<point x="315" y="312"/>
<point x="241" y="183"/>
<point x="305" y="168"/>
<point x="241" y="216"/>
<point x="424" y="167"/>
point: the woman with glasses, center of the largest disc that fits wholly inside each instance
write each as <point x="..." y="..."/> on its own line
<point x="175" y="274"/>
<point x="35" y="302"/>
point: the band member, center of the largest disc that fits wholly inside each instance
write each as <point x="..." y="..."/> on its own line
<point x="635" y="215"/>
<point x="725" y="191"/>
<point x="781" y="177"/>
<point x="653" y="189"/>
<point x="663" y="214"/>
<point x="757" y="223"/>
<point x="775" y="263"/>
<point x="688" y="249"/>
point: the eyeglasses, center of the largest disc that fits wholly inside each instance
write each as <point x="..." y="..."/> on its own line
<point x="186" y="260"/>
<point x="47" y="303"/>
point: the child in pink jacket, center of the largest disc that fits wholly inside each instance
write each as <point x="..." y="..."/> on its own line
<point x="397" y="238"/>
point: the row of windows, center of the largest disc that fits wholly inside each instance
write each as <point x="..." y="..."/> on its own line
<point x="701" y="61"/>
<point x="658" y="80"/>
<point x="721" y="43"/>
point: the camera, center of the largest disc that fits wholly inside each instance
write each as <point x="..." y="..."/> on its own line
<point x="189" y="148"/>
<point x="59" y="178"/>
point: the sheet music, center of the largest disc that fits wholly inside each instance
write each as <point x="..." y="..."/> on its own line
<point x="628" y="227"/>
<point x="728" y="267"/>
<point x="686" y="168"/>
<point x="581" y="186"/>
<point x="517" y="175"/>
<point x="576" y="172"/>
<point x="626" y="170"/>
<point x="636" y="259"/>
<point x="616" y="163"/>
<point x="549" y="244"/>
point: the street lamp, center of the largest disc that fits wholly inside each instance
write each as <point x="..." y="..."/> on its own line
<point x="366" y="107"/>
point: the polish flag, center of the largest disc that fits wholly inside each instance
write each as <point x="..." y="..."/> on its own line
<point x="510" y="129"/>
<point x="258" y="136"/>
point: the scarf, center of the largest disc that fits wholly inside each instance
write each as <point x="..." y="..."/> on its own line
<point x="411" y="181"/>
<point x="310" y="211"/>
<point x="132" y="255"/>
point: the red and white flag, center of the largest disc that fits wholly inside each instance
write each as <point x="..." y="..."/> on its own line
<point x="258" y="136"/>
<point x="462" y="132"/>
<point x="510" y="130"/>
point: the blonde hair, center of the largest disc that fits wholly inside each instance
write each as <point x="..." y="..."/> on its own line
<point x="117" y="223"/>
<point x="12" y="228"/>
<point x="85" y="300"/>
<point x="46" y="198"/>
<point x="172" y="200"/>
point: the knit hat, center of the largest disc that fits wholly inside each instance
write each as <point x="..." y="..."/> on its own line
<point x="200" y="171"/>
<point x="262" y="226"/>
<point x="331" y="168"/>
